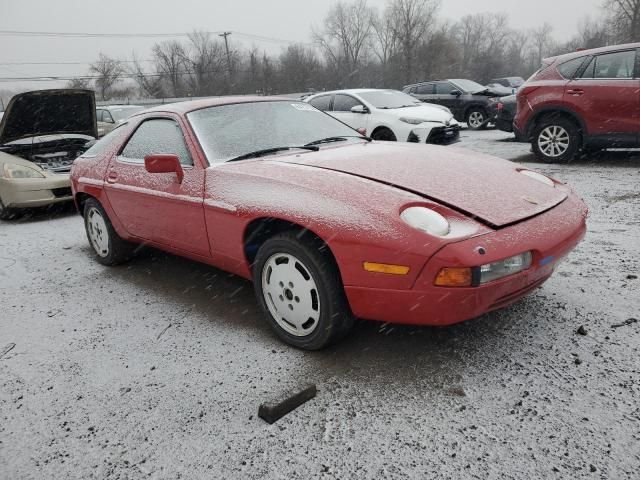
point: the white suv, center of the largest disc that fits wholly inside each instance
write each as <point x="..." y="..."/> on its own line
<point x="389" y="115"/>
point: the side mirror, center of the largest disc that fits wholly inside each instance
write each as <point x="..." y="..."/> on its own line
<point x="164" y="163"/>
<point x="362" y="131"/>
<point x="457" y="93"/>
<point x="359" y="109"/>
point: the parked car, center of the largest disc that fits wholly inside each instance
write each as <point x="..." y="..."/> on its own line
<point x="330" y="225"/>
<point x="389" y="115"/>
<point x="109" y="117"/>
<point x="469" y="101"/>
<point x="583" y="100"/>
<point x="512" y="83"/>
<point x="41" y="133"/>
<point x="505" y="112"/>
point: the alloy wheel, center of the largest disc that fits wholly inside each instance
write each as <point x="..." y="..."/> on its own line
<point x="476" y="119"/>
<point x="554" y="141"/>
<point x="291" y="294"/>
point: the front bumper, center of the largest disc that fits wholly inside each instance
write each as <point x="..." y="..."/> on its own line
<point x="439" y="135"/>
<point x="426" y="304"/>
<point x="35" y="192"/>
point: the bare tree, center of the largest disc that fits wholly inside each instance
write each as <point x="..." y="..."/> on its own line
<point x="346" y="34"/>
<point x="385" y="42"/>
<point x="169" y="58"/>
<point x="83" y="83"/>
<point x="411" y="21"/>
<point x="205" y="63"/>
<point x="108" y="73"/>
<point x="625" y="18"/>
<point x="298" y="68"/>
<point x="542" y="42"/>
<point x="149" y="83"/>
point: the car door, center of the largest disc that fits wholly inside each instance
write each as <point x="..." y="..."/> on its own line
<point x="342" y="105"/>
<point x="156" y="206"/>
<point x="445" y="97"/>
<point x="423" y="92"/>
<point x="606" y="95"/>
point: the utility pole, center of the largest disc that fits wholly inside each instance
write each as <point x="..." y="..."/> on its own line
<point x="226" y="46"/>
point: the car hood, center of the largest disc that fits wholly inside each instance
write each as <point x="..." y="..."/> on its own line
<point x="425" y="112"/>
<point x="485" y="188"/>
<point x="49" y="112"/>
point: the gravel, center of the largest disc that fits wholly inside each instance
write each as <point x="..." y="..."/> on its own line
<point x="156" y="369"/>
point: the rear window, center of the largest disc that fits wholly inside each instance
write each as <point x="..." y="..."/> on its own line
<point x="568" y="69"/>
<point x="101" y="146"/>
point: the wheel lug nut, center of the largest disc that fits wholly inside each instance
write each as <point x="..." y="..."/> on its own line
<point x="297" y="299"/>
<point x="290" y="307"/>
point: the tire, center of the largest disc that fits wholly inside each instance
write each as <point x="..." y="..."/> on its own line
<point x="384" y="134"/>
<point x="556" y="140"/>
<point x="7" y="213"/>
<point x="296" y="277"/>
<point x="477" y="119"/>
<point x="108" y="247"/>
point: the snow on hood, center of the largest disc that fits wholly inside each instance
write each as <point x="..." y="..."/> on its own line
<point x="49" y="112"/>
<point x="487" y="188"/>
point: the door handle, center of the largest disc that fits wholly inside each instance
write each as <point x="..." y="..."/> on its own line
<point x="576" y="93"/>
<point x="112" y="177"/>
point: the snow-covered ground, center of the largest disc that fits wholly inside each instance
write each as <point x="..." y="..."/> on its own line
<point x="156" y="369"/>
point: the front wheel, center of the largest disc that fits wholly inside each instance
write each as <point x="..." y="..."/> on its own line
<point x="107" y="245"/>
<point x="300" y="291"/>
<point x="384" y="134"/>
<point x="556" y="140"/>
<point x="477" y="119"/>
<point x="7" y="213"/>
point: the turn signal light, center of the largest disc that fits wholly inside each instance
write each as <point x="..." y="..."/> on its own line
<point x="385" y="268"/>
<point x="454" y="277"/>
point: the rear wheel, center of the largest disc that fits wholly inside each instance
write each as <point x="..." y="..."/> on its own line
<point x="300" y="291"/>
<point x="477" y="119"/>
<point x="107" y="245"/>
<point x="384" y="134"/>
<point x="556" y="140"/>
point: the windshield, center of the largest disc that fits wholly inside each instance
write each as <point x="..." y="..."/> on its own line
<point x="124" y="112"/>
<point x="230" y="131"/>
<point x="389" y="99"/>
<point x="468" y="86"/>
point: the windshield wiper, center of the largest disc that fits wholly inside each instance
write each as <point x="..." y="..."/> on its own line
<point x="269" y="151"/>
<point x="337" y="139"/>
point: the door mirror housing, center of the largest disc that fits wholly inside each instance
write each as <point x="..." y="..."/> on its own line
<point x="359" y="109"/>
<point x="457" y="93"/>
<point x="164" y="163"/>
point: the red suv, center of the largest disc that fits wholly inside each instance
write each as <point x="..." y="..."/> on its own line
<point x="581" y="101"/>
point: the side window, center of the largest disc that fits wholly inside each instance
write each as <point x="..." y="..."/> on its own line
<point x="99" y="115"/>
<point x="569" y="69"/>
<point x="106" y="116"/>
<point x="444" y="88"/>
<point x="612" y="65"/>
<point x="344" y="103"/>
<point x="158" y="135"/>
<point x="322" y="103"/>
<point x="426" y="89"/>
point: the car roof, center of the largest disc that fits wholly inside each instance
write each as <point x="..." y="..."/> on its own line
<point x="592" y="51"/>
<point x="355" y="91"/>
<point x="192" y="105"/>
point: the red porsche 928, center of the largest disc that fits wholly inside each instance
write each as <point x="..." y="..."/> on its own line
<point x="329" y="225"/>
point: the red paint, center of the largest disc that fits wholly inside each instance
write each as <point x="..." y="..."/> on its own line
<point x="351" y="197"/>
<point x="606" y="109"/>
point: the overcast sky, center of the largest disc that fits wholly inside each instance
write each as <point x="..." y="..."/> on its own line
<point x="281" y="19"/>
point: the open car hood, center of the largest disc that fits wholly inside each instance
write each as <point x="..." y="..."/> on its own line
<point x="49" y="112"/>
<point x="486" y="188"/>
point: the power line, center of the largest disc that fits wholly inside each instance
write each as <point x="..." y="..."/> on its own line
<point x="22" y="33"/>
<point x="68" y="63"/>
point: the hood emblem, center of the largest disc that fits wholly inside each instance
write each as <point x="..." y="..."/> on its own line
<point x="531" y="200"/>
